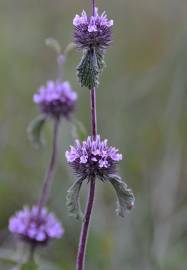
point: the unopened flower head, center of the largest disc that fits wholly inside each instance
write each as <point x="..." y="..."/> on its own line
<point x="29" y="227"/>
<point x="93" y="157"/>
<point x="94" y="31"/>
<point x="56" y="99"/>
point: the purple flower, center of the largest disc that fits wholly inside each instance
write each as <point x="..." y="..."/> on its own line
<point x="29" y="227"/>
<point x="94" y="31"/>
<point x="56" y="99"/>
<point x="93" y="157"/>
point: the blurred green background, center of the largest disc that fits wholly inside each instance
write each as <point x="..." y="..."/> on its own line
<point x="142" y="109"/>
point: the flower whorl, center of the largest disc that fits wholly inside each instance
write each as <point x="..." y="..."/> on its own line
<point x="29" y="227"/>
<point x="56" y="99"/>
<point x="93" y="157"/>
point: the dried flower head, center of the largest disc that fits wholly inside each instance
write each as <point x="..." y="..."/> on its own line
<point x="93" y="157"/>
<point x="94" y="31"/>
<point x="29" y="227"/>
<point x="56" y="99"/>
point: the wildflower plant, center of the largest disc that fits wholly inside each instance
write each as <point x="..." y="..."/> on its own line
<point x="93" y="159"/>
<point x="56" y="100"/>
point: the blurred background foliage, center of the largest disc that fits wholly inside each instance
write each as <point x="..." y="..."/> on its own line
<point x="142" y="101"/>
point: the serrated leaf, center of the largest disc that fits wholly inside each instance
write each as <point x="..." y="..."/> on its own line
<point x="125" y="195"/>
<point x="72" y="200"/>
<point x="87" y="70"/>
<point x="100" y="59"/>
<point x="29" y="266"/>
<point x="35" y="129"/>
<point x="90" y="67"/>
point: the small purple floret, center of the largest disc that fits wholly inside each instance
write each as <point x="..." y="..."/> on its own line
<point x="29" y="227"/>
<point x="56" y="99"/>
<point x="93" y="158"/>
<point x="94" y="31"/>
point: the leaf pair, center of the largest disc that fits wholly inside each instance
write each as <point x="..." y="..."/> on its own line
<point x="125" y="197"/>
<point x="90" y="67"/>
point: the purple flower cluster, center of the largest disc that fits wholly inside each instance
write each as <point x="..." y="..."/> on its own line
<point x="94" y="31"/>
<point x="29" y="227"/>
<point x="56" y="99"/>
<point x="93" y="157"/>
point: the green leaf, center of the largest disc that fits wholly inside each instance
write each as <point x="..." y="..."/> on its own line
<point x="125" y="195"/>
<point x="100" y="59"/>
<point x="72" y="200"/>
<point x="90" y="67"/>
<point x="35" y="129"/>
<point x="29" y="266"/>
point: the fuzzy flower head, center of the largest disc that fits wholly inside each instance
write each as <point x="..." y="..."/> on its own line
<point x="93" y="157"/>
<point x="56" y="99"/>
<point x="94" y="31"/>
<point x="26" y="224"/>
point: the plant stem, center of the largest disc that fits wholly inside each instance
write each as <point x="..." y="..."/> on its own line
<point x="31" y="252"/>
<point x="93" y="112"/>
<point x="50" y="170"/>
<point x="88" y="211"/>
<point x="60" y="66"/>
<point x="85" y="227"/>
<point x="93" y="7"/>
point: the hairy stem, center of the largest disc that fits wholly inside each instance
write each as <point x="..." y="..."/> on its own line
<point x="88" y="211"/>
<point x="85" y="227"/>
<point x="93" y="112"/>
<point x="50" y="170"/>
<point x="93" y="7"/>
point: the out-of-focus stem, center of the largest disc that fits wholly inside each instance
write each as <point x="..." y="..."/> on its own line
<point x="60" y="66"/>
<point x="50" y="170"/>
